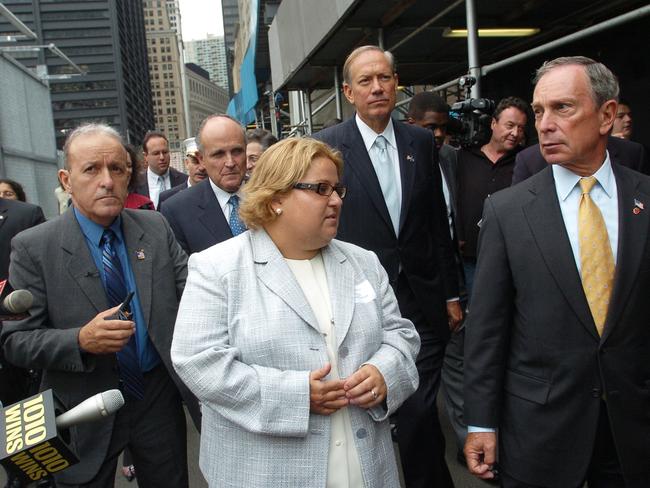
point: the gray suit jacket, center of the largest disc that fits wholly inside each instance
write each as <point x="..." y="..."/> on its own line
<point x="245" y="342"/>
<point x="54" y="263"/>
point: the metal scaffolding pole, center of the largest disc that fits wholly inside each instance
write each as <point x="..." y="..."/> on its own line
<point x="380" y="38"/>
<point x="274" y="125"/>
<point x="308" y="114"/>
<point x="472" y="47"/>
<point x="337" y="93"/>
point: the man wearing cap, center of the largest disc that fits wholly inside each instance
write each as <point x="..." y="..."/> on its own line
<point x="195" y="170"/>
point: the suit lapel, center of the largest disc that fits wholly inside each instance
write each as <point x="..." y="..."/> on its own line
<point x="357" y="160"/>
<point x="274" y="272"/>
<point x="543" y="213"/>
<point x="141" y="257"/>
<point x="632" y="236"/>
<point x="340" y="281"/>
<point x="211" y="215"/>
<point x="407" y="167"/>
<point x="80" y="264"/>
<point x="4" y="215"/>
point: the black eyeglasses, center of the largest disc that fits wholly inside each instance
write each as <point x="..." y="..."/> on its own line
<point x="324" y="189"/>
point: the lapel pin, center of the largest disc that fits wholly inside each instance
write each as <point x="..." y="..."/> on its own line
<point x="140" y="254"/>
<point x="410" y="158"/>
<point x="638" y="206"/>
<point x="2" y="217"/>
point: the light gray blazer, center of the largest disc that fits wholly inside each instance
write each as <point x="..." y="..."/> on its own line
<point x="245" y="341"/>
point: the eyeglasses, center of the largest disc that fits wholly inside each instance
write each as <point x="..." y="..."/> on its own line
<point x="324" y="189"/>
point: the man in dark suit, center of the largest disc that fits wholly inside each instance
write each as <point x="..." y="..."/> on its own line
<point x="430" y="111"/>
<point x="159" y="176"/>
<point x="556" y="344"/>
<point x="208" y="212"/>
<point x="623" y="152"/>
<point x="395" y="208"/>
<point x="79" y="267"/>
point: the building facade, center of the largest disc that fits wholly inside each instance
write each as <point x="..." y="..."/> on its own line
<point x="106" y="39"/>
<point x="209" y="54"/>
<point x="205" y="97"/>
<point x="165" y="73"/>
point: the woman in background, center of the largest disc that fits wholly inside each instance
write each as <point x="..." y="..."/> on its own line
<point x="292" y="341"/>
<point x="133" y="199"/>
<point x="12" y="190"/>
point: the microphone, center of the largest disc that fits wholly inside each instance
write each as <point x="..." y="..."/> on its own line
<point x="17" y="302"/>
<point x="93" y="408"/>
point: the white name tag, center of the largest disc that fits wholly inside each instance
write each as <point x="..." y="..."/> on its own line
<point x="364" y="292"/>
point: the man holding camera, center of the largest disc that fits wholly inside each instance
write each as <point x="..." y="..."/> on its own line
<point x="483" y="171"/>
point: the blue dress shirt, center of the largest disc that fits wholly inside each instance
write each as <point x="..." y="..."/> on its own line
<point x="92" y="232"/>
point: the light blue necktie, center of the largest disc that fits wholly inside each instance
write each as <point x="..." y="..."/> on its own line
<point x="235" y="223"/>
<point x="386" y="176"/>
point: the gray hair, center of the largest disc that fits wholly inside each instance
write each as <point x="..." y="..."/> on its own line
<point x="602" y="82"/>
<point x="360" y="50"/>
<point x="87" y="129"/>
<point x="199" y="141"/>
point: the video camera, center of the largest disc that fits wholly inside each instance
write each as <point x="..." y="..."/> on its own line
<point x="474" y="115"/>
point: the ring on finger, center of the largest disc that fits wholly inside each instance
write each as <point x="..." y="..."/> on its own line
<point x="374" y="394"/>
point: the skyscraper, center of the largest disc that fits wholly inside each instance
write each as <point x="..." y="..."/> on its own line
<point x="209" y="54"/>
<point x="165" y="70"/>
<point x="107" y="40"/>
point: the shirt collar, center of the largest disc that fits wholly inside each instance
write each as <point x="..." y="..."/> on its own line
<point x="368" y="135"/>
<point x="154" y="177"/>
<point x="566" y="180"/>
<point x="222" y="195"/>
<point x="93" y="231"/>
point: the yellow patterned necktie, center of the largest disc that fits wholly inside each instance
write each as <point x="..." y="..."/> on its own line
<point x="596" y="258"/>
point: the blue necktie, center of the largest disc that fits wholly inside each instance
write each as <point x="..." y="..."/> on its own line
<point x="127" y="357"/>
<point x="386" y="176"/>
<point x="235" y="223"/>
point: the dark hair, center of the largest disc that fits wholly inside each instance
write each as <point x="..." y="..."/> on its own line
<point x="262" y="136"/>
<point x="424" y="102"/>
<point x="135" y="167"/>
<point x="16" y="187"/>
<point x="508" y="102"/>
<point x="151" y="135"/>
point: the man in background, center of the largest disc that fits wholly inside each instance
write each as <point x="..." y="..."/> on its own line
<point x="195" y="170"/>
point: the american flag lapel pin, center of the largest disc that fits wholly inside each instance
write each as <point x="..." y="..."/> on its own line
<point x="410" y="158"/>
<point x="638" y="206"/>
<point x="140" y="254"/>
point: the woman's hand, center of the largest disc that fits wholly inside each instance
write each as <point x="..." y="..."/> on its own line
<point x="366" y="388"/>
<point x="325" y="396"/>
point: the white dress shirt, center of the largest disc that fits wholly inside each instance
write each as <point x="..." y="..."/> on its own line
<point x="153" y="180"/>
<point x="368" y="135"/>
<point x="223" y="197"/>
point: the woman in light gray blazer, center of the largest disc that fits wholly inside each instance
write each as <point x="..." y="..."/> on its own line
<point x="292" y="341"/>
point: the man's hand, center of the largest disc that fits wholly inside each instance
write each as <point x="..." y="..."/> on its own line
<point x="455" y="315"/>
<point x="105" y="336"/>
<point x="480" y="453"/>
<point x="325" y="396"/>
<point x="366" y="388"/>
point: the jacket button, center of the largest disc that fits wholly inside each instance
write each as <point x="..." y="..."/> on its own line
<point x="343" y="352"/>
<point x="362" y="433"/>
<point x="596" y="393"/>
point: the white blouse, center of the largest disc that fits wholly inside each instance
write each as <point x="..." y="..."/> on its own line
<point x="343" y="466"/>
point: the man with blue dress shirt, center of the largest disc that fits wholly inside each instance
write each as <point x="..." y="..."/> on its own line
<point x="556" y="348"/>
<point x="80" y="267"/>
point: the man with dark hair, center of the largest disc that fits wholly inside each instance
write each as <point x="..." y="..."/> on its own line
<point x="396" y="209"/>
<point x="485" y="170"/>
<point x="159" y="176"/>
<point x="257" y="141"/>
<point x="208" y="212"/>
<point x="557" y="341"/>
<point x="80" y="267"/>
<point x="623" y="123"/>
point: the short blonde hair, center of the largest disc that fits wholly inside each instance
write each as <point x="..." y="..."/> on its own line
<point x="279" y="168"/>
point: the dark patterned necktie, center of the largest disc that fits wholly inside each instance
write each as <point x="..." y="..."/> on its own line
<point x="115" y="285"/>
<point x="235" y="223"/>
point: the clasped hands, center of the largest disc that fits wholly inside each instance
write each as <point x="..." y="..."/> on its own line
<point x="366" y="388"/>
